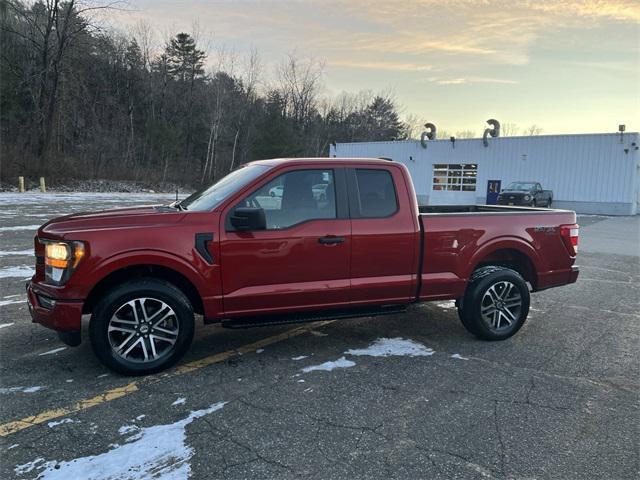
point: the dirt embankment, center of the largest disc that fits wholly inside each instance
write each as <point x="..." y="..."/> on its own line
<point x="124" y="186"/>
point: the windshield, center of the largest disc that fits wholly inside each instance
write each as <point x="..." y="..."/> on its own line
<point x="520" y="186"/>
<point x="210" y="197"/>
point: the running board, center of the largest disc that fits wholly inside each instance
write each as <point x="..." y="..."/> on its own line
<point x="303" y="317"/>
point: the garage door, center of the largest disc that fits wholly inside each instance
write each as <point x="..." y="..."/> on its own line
<point x="454" y="184"/>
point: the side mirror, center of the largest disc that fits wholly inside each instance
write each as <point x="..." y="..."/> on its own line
<point x="247" y="219"/>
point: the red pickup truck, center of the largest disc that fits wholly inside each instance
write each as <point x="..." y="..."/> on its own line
<point x="290" y="240"/>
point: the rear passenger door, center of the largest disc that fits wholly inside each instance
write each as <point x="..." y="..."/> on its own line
<point x="384" y="236"/>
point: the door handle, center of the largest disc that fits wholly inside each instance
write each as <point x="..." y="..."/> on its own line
<point x="330" y="240"/>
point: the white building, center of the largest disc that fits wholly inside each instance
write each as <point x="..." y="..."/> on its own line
<point x="592" y="173"/>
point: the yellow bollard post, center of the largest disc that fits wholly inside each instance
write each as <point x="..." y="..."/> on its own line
<point x="43" y="187"/>
<point x="21" y="184"/>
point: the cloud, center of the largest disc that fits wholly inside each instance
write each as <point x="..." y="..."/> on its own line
<point x="381" y="65"/>
<point x="471" y="80"/>
<point x="619" y="10"/>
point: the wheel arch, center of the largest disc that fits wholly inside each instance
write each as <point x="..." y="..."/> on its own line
<point x="146" y="270"/>
<point x="516" y="255"/>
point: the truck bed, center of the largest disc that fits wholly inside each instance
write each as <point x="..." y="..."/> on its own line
<point x="459" y="238"/>
<point x="485" y="209"/>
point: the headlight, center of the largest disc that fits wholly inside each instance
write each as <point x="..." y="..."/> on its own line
<point x="61" y="259"/>
<point x="527" y="198"/>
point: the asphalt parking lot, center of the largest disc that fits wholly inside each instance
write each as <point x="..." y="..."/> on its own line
<point x="558" y="400"/>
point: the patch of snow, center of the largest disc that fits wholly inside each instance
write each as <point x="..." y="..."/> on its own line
<point x="51" y="352"/>
<point x="32" y="389"/>
<point x="301" y="357"/>
<point x="23" y="271"/>
<point x="11" y="302"/>
<point x="388" y="347"/>
<point x="160" y="451"/>
<point x="260" y="350"/>
<point x="300" y="381"/>
<point x="3" y="325"/>
<point x="60" y="422"/>
<point x="179" y="401"/>
<point x="17" y="228"/>
<point x="103" y="375"/>
<point x="328" y="366"/>
<point x="447" y="305"/>
<point x="29" y="466"/>
<point x="126" y="429"/>
<point x="69" y="380"/>
<point x="4" y="391"/>
<point x="140" y="417"/>
<point x="6" y="253"/>
<point x="13" y="446"/>
<point x="307" y="390"/>
<point x="458" y="356"/>
<point x="318" y="334"/>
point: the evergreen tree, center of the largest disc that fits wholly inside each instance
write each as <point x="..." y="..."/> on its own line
<point x="185" y="61"/>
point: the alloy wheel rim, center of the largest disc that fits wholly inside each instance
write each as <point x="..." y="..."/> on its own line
<point x="143" y="330"/>
<point x="501" y="306"/>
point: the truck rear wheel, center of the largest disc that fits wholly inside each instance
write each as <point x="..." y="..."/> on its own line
<point x="142" y="327"/>
<point x="495" y="304"/>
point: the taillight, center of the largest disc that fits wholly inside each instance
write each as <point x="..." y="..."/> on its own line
<point x="570" y="235"/>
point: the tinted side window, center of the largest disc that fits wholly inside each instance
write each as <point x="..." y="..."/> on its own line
<point x="376" y="193"/>
<point x="295" y="197"/>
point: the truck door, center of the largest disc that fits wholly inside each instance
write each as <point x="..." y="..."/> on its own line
<point x="493" y="190"/>
<point x="385" y="236"/>
<point x="302" y="258"/>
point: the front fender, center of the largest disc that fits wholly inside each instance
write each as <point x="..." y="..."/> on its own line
<point x="203" y="279"/>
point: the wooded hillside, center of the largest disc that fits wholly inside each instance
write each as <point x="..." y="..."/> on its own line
<point x="78" y="101"/>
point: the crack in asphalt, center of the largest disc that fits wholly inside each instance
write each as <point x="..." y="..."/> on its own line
<point x="496" y="422"/>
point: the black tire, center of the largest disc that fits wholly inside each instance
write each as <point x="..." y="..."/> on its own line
<point x="549" y="203"/>
<point x="478" y="300"/>
<point x="142" y="292"/>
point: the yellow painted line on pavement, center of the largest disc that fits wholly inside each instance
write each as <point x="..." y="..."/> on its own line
<point x="17" y="425"/>
<point x="119" y="392"/>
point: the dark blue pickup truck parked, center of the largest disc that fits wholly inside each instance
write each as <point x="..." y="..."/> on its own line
<point x="528" y="194"/>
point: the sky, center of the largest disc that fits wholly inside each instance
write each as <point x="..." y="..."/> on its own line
<point x="567" y="66"/>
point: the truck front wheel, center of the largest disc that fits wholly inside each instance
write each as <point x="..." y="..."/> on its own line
<point x="142" y="327"/>
<point x="495" y="304"/>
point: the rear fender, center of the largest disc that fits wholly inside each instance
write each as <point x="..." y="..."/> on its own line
<point x="505" y="243"/>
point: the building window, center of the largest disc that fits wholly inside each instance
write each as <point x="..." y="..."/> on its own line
<point x="456" y="177"/>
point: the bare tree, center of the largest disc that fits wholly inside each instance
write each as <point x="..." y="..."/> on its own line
<point x="465" y="134"/>
<point x="533" y="130"/>
<point x="299" y="82"/>
<point x="51" y="28"/>
<point x="509" y="129"/>
<point x="414" y="126"/>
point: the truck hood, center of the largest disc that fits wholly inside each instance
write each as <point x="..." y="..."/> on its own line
<point x="515" y="192"/>
<point x="116" y="218"/>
